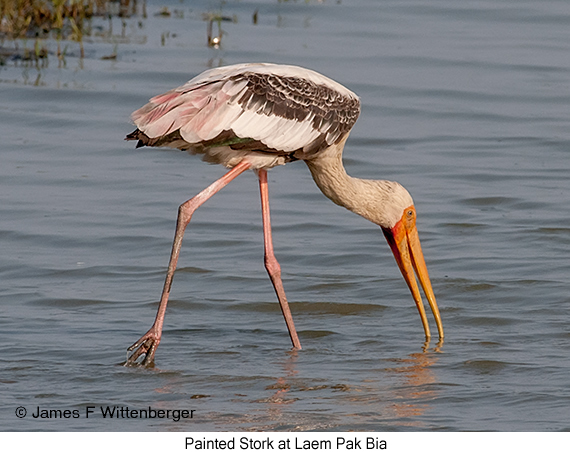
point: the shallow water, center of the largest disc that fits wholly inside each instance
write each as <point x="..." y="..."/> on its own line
<point x="465" y="104"/>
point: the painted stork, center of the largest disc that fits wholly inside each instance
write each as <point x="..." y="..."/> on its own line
<point x="257" y="116"/>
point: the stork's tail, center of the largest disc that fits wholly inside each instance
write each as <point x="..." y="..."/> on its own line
<point x="143" y="139"/>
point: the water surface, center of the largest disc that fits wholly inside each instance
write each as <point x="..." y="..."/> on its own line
<point x="465" y="104"/>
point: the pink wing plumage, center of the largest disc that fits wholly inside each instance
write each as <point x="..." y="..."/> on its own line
<point x="284" y="109"/>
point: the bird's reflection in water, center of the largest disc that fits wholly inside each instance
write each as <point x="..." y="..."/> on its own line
<point x="401" y="392"/>
<point x="417" y="385"/>
<point x="283" y="384"/>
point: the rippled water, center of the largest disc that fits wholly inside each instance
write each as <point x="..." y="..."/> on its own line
<point x="464" y="103"/>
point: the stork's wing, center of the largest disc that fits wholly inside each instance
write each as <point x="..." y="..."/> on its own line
<point x="285" y="108"/>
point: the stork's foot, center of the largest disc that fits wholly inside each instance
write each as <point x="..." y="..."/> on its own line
<point x="145" y="346"/>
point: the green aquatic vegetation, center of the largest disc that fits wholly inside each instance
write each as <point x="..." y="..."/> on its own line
<point x="61" y="20"/>
<point x="64" y="18"/>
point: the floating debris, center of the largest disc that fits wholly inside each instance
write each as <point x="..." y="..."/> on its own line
<point x="164" y="12"/>
<point x="112" y="56"/>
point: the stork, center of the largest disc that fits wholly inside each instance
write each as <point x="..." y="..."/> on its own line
<point x="258" y="116"/>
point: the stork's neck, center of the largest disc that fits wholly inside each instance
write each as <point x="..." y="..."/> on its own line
<point x="379" y="201"/>
<point x="331" y="177"/>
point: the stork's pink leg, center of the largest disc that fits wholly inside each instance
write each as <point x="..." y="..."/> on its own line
<point x="148" y="343"/>
<point x="271" y="264"/>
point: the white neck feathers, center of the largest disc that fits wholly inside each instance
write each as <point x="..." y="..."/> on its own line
<point x="379" y="201"/>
